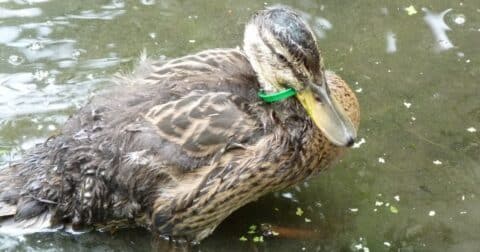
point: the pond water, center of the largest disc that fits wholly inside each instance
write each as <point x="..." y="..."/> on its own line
<point x="410" y="185"/>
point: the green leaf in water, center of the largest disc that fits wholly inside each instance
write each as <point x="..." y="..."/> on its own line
<point x="393" y="209"/>
<point x="258" y="239"/>
<point x="411" y="10"/>
<point x="252" y="229"/>
<point x="299" y="211"/>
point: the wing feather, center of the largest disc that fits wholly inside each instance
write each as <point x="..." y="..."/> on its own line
<point x="203" y="123"/>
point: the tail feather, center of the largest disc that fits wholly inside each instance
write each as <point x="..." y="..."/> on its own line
<point x="17" y="211"/>
<point x="40" y="223"/>
<point x="9" y="194"/>
<point x="7" y="210"/>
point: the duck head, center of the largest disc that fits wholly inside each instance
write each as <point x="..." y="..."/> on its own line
<point x="283" y="51"/>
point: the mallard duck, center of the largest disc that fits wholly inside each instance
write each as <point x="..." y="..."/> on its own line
<point x="181" y="144"/>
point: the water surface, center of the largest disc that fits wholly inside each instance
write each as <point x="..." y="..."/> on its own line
<point x="410" y="185"/>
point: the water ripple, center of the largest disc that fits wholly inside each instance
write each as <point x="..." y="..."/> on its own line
<point x="102" y="15"/>
<point x="9" y="33"/>
<point x="20" y="13"/>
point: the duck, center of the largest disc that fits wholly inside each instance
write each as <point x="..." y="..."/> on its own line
<point x="178" y="145"/>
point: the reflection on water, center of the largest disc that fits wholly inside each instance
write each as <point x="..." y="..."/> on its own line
<point x="411" y="181"/>
<point x="439" y="28"/>
<point x="20" y="13"/>
<point x="391" y="42"/>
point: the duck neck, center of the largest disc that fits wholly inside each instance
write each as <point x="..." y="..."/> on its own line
<point x="268" y="87"/>
<point x="319" y="153"/>
<point x="310" y="150"/>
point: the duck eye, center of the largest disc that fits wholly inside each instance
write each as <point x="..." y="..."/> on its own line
<point x="282" y="58"/>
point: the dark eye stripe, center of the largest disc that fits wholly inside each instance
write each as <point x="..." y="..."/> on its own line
<point x="289" y="64"/>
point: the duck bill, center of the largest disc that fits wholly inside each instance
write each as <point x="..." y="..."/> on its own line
<point x="328" y="115"/>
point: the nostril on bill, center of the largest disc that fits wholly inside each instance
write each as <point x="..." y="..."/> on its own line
<point x="350" y="142"/>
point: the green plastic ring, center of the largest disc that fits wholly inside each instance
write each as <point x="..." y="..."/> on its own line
<point x="278" y="96"/>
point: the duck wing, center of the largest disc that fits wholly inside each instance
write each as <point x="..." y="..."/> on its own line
<point x="204" y="124"/>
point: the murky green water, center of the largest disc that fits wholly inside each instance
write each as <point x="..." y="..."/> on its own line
<point x="411" y="186"/>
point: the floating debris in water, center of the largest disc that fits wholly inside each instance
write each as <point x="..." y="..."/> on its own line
<point x="463" y="197"/>
<point x="472" y="130"/>
<point x="15" y="60"/>
<point x="152" y="35"/>
<point x="397" y="197"/>
<point x="378" y="203"/>
<point x="407" y="104"/>
<point x="358" y="90"/>
<point x="413" y="118"/>
<point x="459" y="19"/>
<point x="437" y="162"/>
<point x="353" y="210"/>
<point x="431" y="213"/>
<point x="361" y="247"/>
<point x="308" y="220"/>
<point x="393" y="209"/>
<point x="463" y="212"/>
<point x="299" y="211"/>
<point x="381" y="160"/>
<point x="258" y="239"/>
<point x="52" y="127"/>
<point x="411" y="10"/>
<point x="359" y="143"/>
<point x="40" y="75"/>
<point x="388" y="244"/>
<point x="35" y="46"/>
<point x="287" y="195"/>
<point x="192" y="41"/>
<point x="243" y="238"/>
<point x="76" y="53"/>
<point x="252" y="229"/>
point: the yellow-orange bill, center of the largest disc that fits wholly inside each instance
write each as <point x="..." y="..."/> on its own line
<point x="328" y="115"/>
